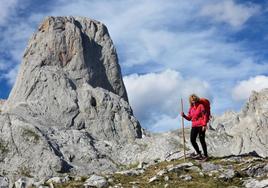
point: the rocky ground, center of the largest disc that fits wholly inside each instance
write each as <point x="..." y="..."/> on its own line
<point x="234" y="171"/>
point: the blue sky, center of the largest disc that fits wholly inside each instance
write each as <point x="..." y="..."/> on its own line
<point x="167" y="49"/>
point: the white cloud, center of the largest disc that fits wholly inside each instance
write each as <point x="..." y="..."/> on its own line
<point x="229" y="12"/>
<point x="6" y="8"/>
<point x="141" y="31"/>
<point x="244" y="88"/>
<point x="13" y="42"/>
<point x="18" y="34"/>
<point x="130" y="22"/>
<point x="11" y="75"/>
<point x="165" y="122"/>
<point x="155" y="97"/>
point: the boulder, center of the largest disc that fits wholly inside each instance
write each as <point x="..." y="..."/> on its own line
<point x="208" y="167"/>
<point x="227" y="175"/>
<point x="96" y="181"/>
<point x="253" y="183"/>
<point x="4" y="182"/>
<point x="259" y="170"/>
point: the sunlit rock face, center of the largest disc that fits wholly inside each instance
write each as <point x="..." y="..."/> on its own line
<point x="246" y="131"/>
<point x="68" y="110"/>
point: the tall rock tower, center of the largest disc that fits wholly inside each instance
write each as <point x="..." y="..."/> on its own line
<point x="68" y="109"/>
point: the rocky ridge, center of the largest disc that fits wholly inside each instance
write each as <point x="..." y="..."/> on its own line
<point x="245" y="131"/>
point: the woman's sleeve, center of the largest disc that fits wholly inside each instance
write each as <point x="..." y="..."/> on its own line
<point x="188" y="117"/>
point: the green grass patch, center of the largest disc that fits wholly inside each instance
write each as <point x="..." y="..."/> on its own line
<point x="128" y="167"/>
<point x="30" y="135"/>
<point x="70" y="184"/>
<point x="24" y="171"/>
<point x="3" y="147"/>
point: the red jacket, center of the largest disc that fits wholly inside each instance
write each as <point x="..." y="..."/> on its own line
<point x="197" y="115"/>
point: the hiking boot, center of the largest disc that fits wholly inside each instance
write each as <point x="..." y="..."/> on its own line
<point x="199" y="157"/>
<point x="194" y="155"/>
<point x="204" y="159"/>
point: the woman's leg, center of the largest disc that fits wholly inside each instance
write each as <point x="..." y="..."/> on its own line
<point x="202" y="135"/>
<point x="194" y="133"/>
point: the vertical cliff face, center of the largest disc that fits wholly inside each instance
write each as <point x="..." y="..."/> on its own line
<point x="69" y="72"/>
<point x="68" y="109"/>
<point x="78" y="48"/>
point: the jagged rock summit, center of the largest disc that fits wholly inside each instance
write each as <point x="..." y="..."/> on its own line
<point x="66" y="66"/>
<point x="245" y="131"/>
<point x="68" y="110"/>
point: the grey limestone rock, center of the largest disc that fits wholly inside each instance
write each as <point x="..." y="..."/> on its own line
<point x="166" y="178"/>
<point x="4" y="182"/>
<point x="131" y="172"/>
<point x="70" y="77"/>
<point x="152" y="147"/>
<point x="207" y="167"/>
<point x="154" y="178"/>
<point x="259" y="170"/>
<point x="55" y="180"/>
<point x="186" y="177"/>
<point x="96" y="181"/>
<point x="180" y="167"/>
<point x="253" y="183"/>
<point x="174" y="155"/>
<point x="227" y="175"/>
<point x="25" y="182"/>
<point x="69" y="51"/>
<point x="245" y="131"/>
<point x="68" y="111"/>
<point x="161" y="172"/>
<point x="142" y="165"/>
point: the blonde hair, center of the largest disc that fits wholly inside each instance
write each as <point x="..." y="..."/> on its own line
<point x="193" y="97"/>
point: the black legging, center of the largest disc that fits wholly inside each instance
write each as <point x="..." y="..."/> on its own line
<point x="194" y="132"/>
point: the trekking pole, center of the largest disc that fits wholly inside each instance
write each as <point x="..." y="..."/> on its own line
<point x="182" y="123"/>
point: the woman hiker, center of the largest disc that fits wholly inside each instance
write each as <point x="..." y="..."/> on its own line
<point x="198" y="117"/>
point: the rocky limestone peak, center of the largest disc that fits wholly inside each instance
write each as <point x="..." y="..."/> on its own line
<point x="257" y="103"/>
<point x="69" y="72"/>
<point x="77" y="49"/>
<point x="245" y="131"/>
<point x="68" y="111"/>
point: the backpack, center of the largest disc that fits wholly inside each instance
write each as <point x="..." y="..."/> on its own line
<point x="206" y="104"/>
